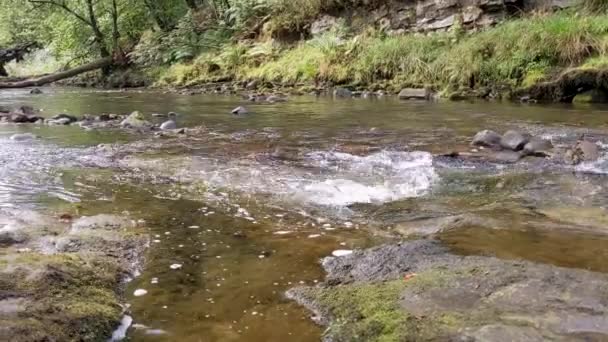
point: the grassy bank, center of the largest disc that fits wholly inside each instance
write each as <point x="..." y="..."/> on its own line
<point x="515" y="54"/>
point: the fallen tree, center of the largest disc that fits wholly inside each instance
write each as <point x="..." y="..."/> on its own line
<point x="50" y="78"/>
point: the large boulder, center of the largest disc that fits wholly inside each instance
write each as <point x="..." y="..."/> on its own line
<point x="514" y="140"/>
<point x="486" y="138"/>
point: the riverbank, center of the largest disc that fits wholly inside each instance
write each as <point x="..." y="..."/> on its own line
<point x="510" y="60"/>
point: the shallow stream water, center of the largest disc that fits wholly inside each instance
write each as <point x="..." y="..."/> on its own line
<point x="248" y="210"/>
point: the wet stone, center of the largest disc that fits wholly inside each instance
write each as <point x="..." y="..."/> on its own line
<point x="486" y="138"/>
<point x="419" y="291"/>
<point x="514" y="140"/>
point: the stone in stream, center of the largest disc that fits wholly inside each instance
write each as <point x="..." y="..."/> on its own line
<point x="23" y="137"/>
<point x="70" y="118"/>
<point x="414" y="94"/>
<point x="275" y="99"/>
<point x="419" y="291"/>
<point x="342" y="92"/>
<point x="21" y="118"/>
<point x="36" y="91"/>
<point x="538" y="147"/>
<point x="240" y="111"/>
<point x="486" y="138"/>
<point x="167" y="125"/>
<point x="135" y="120"/>
<point x="252" y="85"/>
<point x="514" y="141"/>
<point x="583" y="151"/>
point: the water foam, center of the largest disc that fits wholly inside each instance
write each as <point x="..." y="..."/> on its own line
<point x="322" y="178"/>
<point x="377" y="178"/>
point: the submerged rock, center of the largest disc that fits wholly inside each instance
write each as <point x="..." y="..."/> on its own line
<point x="275" y="99"/>
<point x="486" y="138"/>
<point x="23" y="137"/>
<point x="418" y="291"/>
<point x="36" y="91"/>
<point x="240" y="111"/>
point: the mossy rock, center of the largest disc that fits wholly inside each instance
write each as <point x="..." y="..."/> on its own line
<point x="69" y="297"/>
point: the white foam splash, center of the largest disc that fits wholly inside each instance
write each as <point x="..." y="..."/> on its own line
<point x="121" y="332"/>
<point x="327" y="178"/>
<point x="378" y="178"/>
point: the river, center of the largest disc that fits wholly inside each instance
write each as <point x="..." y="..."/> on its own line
<point x="249" y="208"/>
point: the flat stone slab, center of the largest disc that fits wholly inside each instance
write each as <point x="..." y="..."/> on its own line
<point x="418" y="291"/>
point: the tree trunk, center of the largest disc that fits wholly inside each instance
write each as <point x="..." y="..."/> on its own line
<point x="36" y="82"/>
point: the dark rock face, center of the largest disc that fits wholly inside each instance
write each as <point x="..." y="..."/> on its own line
<point x="570" y="85"/>
<point x="514" y="140"/>
<point x="486" y="138"/>
<point x="435" y="15"/>
<point x="418" y="291"/>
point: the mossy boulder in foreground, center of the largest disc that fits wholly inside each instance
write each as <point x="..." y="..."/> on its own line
<point x="64" y="283"/>
<point x="418" y="291"/>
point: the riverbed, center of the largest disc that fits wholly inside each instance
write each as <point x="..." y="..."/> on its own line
<point x="245" y="210"/>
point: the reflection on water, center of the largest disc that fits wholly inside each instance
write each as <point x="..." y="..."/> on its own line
<point x="248" y="210"/>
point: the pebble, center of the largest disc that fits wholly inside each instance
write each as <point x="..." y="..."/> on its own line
<point x="314" y="236"/>
<point x="341" y="252"/>
<point x="154" y="281"/>
<point x="194" y="227"/>
<point x="175" y="266"/>
<point x="140" y="292"/>
<point x="282" y="232"/>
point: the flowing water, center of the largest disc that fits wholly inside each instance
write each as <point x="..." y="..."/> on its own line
<point x="247" y="210"/>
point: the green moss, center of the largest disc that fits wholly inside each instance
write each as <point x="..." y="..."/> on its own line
<point x="372" y="311"/>
<point x="72" y="297"/>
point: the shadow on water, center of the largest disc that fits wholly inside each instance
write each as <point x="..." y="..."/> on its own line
<point x="566" y="249"/>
